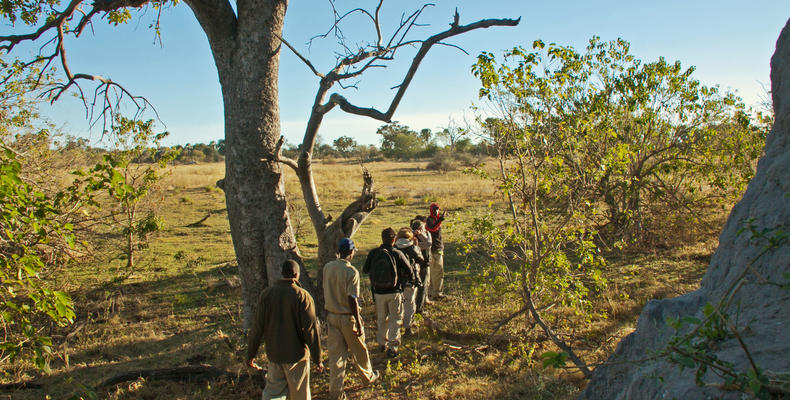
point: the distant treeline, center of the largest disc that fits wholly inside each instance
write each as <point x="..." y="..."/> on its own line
<point x="397" y="142"/>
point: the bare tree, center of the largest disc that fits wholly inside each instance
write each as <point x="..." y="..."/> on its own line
<point x="452" y="133"/>
<point x="245" y="38"/>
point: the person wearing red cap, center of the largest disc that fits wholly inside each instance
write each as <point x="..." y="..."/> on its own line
<point x="434" y="226"/>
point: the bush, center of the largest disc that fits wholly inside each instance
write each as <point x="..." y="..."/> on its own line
<point x="442" y="162"/>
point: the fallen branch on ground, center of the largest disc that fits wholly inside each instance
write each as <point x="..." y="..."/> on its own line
<point x="180" y="374"/>
<point x="466" y="337"/>
<point x="19" y="386"/>
<point x="202" y="220"/>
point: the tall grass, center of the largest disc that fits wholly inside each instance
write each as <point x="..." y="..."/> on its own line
<point x="182" y="308"/>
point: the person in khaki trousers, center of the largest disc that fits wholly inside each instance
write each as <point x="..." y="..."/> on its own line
<point x="434" y="225"/>
<point x="388" y="289"/>
<point x="286" y="322"/>
<point x="346" y="334"/>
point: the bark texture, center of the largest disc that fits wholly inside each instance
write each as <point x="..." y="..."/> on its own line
<point x="760" y="307"/>
<point x="246" y="50"/>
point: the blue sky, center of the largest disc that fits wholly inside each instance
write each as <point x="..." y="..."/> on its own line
<point x="729" y="42"/>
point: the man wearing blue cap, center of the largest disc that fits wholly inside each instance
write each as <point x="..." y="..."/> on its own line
<point x="346" y="334"/>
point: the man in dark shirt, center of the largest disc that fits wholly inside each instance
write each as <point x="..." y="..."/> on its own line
<point x="286" y="321"/>
<point x="389" y="302"/>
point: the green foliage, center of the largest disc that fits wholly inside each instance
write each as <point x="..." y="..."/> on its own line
<point x="402" y="143"/>
<point x="28" y="11"/>
<point x="554" y="359"/>
<point x="442" y="162"/>
<point x="645" y="136"/>
<point x="345" y="145"/>
<point x="31" y="12"/>
<point x="18" y="109"/>
<point x="567" y="272"/>
<point x="29" y="230"/>
<point x="190" y="153"/>
<point x="696" y="350"/>
<point x="127" y="182"/>
<point x="400" y="201"/>
<point x="697" y="341"/>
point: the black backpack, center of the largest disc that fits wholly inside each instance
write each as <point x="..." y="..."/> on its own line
<point x="383" y="271"/>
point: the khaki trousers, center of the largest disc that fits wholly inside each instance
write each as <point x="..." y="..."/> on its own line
<point x="409" y="305"/>
<point x="290" y="381"/>
<point x="437" y="274"/>
<point x="389" y="316"/>
<point x="342" y="342"/>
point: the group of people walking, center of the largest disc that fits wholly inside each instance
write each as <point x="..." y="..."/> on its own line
<point x="406" y="273"/>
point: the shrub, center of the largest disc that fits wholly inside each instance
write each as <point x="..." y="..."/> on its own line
<point x="441" y="162"/>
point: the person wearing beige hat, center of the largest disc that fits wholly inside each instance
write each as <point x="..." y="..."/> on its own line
<point x="407" y="244"/>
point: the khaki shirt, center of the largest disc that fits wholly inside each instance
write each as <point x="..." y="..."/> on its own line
<point x="341" y="280"/>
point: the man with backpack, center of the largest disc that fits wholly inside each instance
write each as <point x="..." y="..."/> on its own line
<point x="389" y="271"/>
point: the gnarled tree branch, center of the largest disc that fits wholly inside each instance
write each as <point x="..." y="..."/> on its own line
<point x="344" y="70"/>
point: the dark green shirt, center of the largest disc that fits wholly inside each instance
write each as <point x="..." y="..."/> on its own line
<point x="286" y="322"/>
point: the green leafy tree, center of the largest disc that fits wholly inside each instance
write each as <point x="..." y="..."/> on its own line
<point x="653" y="139"/>
<point x="246" y="40"/>
<point x="452" y="134"/>
<point x="29" y="228"/>
<point x="400" y="142"/>
<point x="36" y="236"/>
<point x="544" y="253"/>
<point x="128" y="182"/>
<point x="345" y="145"/>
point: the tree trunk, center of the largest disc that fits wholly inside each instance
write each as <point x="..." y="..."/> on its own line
<point x="246" y="44"/>
<point x="345" y="226"/>
<point x="246" y="51"/>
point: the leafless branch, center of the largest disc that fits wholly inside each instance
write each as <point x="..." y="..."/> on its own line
<point x="408" y="24"/>
<point x="377" y="23"/>
<point x="84" y="21"/>
<point x="278" y="157"/>
<point x="454" y="46"/>
<point x="301" y="57"/>
<point x="60" y="25"/>
<point x="509" y="318"/>
<point x="455" y="29"/>
<point x="338" y="18"/>
<point x="351" y="86"/>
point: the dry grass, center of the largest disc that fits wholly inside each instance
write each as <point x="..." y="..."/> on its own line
<point x="181" y="306"/>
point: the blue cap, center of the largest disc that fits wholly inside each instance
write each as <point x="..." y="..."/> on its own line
<point x="345" y="245"/>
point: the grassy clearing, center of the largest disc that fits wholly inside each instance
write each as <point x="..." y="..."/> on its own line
<point x="181" y="306"/>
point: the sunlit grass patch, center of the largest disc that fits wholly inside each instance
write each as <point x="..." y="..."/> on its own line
<point x="182" y="306"/>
